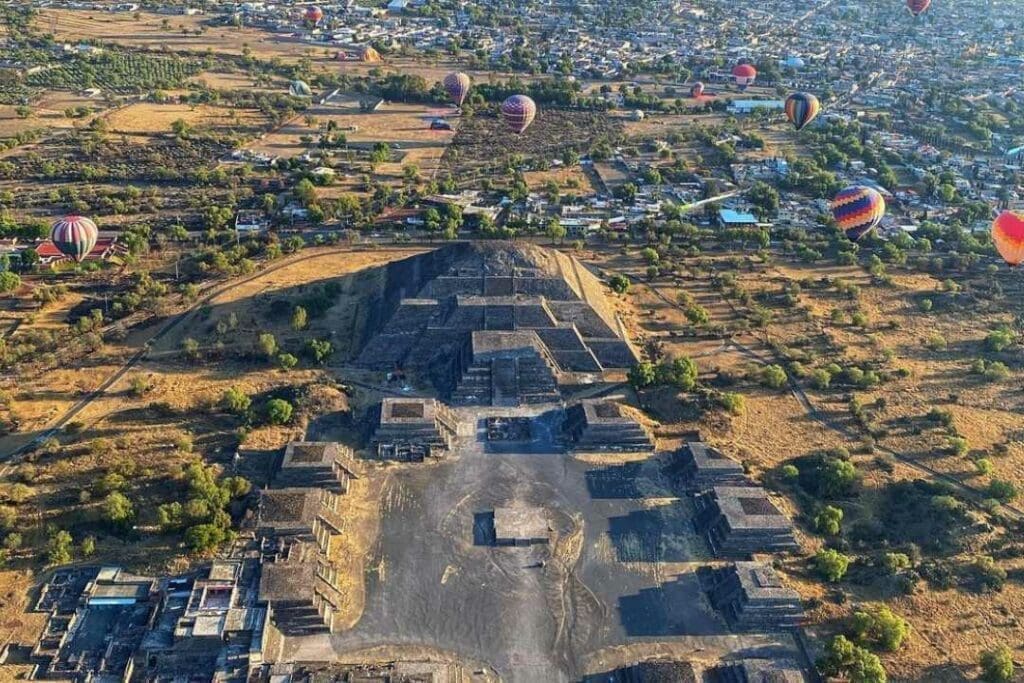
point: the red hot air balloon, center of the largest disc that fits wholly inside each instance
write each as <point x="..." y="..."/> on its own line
<point x="857" y="209"/>
<point x="916" y="7"/>
<point x="697" y="90"/>
<point x="74" y="236"/>
<point x="1008" y="236"/>
<point x="518" y="112"/>
<point x="314" y="14"/>
<point x="457" y="85"/>
<point x="744" y="74"/>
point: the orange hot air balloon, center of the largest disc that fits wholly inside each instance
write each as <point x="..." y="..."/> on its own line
<point x="1008" y="236"/>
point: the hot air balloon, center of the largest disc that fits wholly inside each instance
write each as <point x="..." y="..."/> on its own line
<point x="916" y="7"/>
<point x="518" y="112"/>
<point x="74" y="236"/>
<point x="1008" y="236"/>
<point x="697" y="90"/>
<point x="744" y="75"/>
<point x="857" y="209"/>
<point x="457" y="85"/>
<point x="299" y="89"/>
<point x="801" y="108"/>
<point x="314" y="14"/>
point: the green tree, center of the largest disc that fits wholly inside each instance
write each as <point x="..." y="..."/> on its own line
<point x="300" y="319"/>
<point x="235" y="401"/>
<point x="58" y="549"/>
<point x="279" y="411"/>
<point x="88" y="546"/>
<point x="118" y="509"/>
<point x="680" y="373"/>
<point x="857" y="664"/>
<point x="287" y="361"/>
<point x="997" y="665"/>
<point x="319" y="350"/>
<point x="879" y="627"/>
<point x="619" y="284"/>
<point x="773" y="376"/>
<point x="9" y="281"/>
<point x="641" y="375"/>
<point x="831" y="564"/>
<point x="267" y="345"/>
<point x="555" y="230"/>
<point x="205" y="537"/>
<point x="828" y="520"/>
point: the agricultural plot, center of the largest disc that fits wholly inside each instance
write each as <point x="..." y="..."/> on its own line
<point x="149" y="118"/>
<point x="117" y="72"/>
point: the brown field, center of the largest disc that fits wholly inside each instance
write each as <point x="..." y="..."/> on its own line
<point x="151" y="117"/>
<point x="570" y="180"/>
<point x="48" y="113"/>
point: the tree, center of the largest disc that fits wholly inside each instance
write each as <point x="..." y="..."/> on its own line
<point x="205" y="537"/>
<point x="641" y="375"/>
<point x="1003" y="491"/>
<point x="118" y="509"/>
<point x="857" y="664"/>
<point x="58" y="549"/>
<point x="319" y="350"/>
<point x="773" y="376"/>
<point x="287" y="361"/>
<point x="9" y="281"/>
<point x="619" y="284"/>
<point x="831" y="564"/>
<point x="279" y="411"/>
<point x="879" y="628"/>
<point x="733" y="402"/>
<point x="820" y="379"/>
<point x="267" y="345"/>
<point x="997" y="665"/>
<point x="88" y="546"/>
<point x="680" y="373"/>
<point x="555" y="230"/>
<point x="300" y="319"/>
<point x="828" y="520"/>
<point x="235" y="401"/>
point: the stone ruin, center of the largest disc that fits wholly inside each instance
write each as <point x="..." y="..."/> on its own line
<point x="413" y="429"/>
<point x="740" y="521"/>
<point x="495" y="324"/>
<point x="602" y="425"/>
<point x="701" y="467"/>
<point x="750" y="596"/>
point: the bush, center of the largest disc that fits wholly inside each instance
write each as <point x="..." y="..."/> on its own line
<point x="879" y="628"/>
<point x="983" y="466"/>
<point x="641" y="375"/>
<point x="732" y="402"/>
<point x="936" y="342"/>
<point x="287" y="361"/>
<point x="1001" y="490"/>
<point x="205" y="537"/>
<point x="828" y="520"/>
<point x="847" y="660"/>
<point x="999" y="340"/>
<point x="118" y="509"/>
<point x="987" y="575"/>
<point x="821" y="379"/>
<point x="58" y="549"/>
<point x="319" y="350"/>
<point x="279" y="411"/>
<point x="831" y="564"/>
<point x="235" y="401"/>
<point x="267" y="345"/>
<point x="958" y="445"/>
<point x="827" y="475"/>
<point x="997" y="371"/>
<point x="896" y="562"/>
<point x="997" y="665"/>
<point x="773" y="376"/>
<point x="300" y="319"/>
<point x="680" y="373"/>
<point x="619" y="284"/>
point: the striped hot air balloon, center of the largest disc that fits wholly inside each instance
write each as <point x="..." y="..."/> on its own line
<point x="74" y="236"/>
<point x="1008" y="236"/>
<point x="801" y="108"/>
<point x="697" y="90"/>
<point x="457" y="85"/>
<point x="858" y="209"/>
<point x="299" y="89"/>
<point x="916" y="7"/>
<point x="518" y="112"/>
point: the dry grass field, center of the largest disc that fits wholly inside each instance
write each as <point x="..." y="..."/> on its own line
<point x="145" y="118"/>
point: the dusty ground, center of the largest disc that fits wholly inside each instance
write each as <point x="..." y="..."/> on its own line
<point x="149" y="117"/>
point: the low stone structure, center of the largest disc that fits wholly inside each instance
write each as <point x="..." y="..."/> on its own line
<point x="602" y="425"/>
<point x="658" y="671"/>
<point x="758" y="671"/>
<point x="299" y="588"/>
<point x="316" y="464"/>
<point x="750" y="595"/>
<point x="741" y="520"/>
<point x="413" y="429"/>
<point x="304" y="513"/>
<point x="520" y="525"/>
<point x="700" y="467"/>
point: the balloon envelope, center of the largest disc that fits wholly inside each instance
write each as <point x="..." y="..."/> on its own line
<point x="1008" y="236"/>
<point x="74" y="236"/>
<point x="697" y="90"/>
<point x="457" y="85"/>
<point x="744" y="75"/>
<point x="857" y="209"/>
<point x="518" y="112"/>
<point x="314" y="14"/>
<point x="801" y="108"/>
<point x="299" y="89"/>
<point x="918" y="6"/>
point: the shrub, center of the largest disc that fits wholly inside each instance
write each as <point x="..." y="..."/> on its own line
<point x="857" y="664"/>
<point x="997" y="665"/>
<point x="88" y="546"/>
<point x="287" y="361"/>
<point x="821" y="379"/>
<point x="319" y="350"/>
<point x="999" y="339"/>
<point x="958" y="445"/>
<point x="300" y="318"/>
<point x="697" y="314"/>
<point x="831" y="564"/>
<point x="828" y="520"/>
<point x="983" y="466"/>
<point x="879" y="628"/>
<point x="279" y="411"/>
<point x="680" y="373"/>
<point x="267" y="345"/>
<point x="1001" y="490"/>
<point x="827" y="475"/>
<point x="773" y="376"/>
<point x="118" y="509"/>
<point x="235" y="401"/>
<point x="619" y="284"/>
<point x="936" y="342"/>
<point x="732" y="402"/>
<point x="925" y="305"/>
<point x="641" y="375"/>
<point x="205" y="537"/>
<point x="988" y="576"/>
<point x="58" y="549"/>
<point x="896" y="562"/>
<point x="790" y="472"/>
<point x="997" y="371"/>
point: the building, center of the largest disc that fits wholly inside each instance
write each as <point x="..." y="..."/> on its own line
<point x="749" y="106"/>
<point x="603" y="425"/>
<point x="730" y="218"/>
<point x="105" y="248"/>
<point x="316" y="464"/>
<point x="299" y="588"/>
<point x="250" y="222"/>
<point x="701" y="467"/>
<point x="412" y="429"/>
<point x="304" y="513"/>
<point x="520" y="525"/>
<point x="750" y="595"/>
<point x="208" y="626"/>
<point x="741" y="521"/>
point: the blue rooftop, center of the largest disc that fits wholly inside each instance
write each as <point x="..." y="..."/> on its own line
<point x="730" y="217"/>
